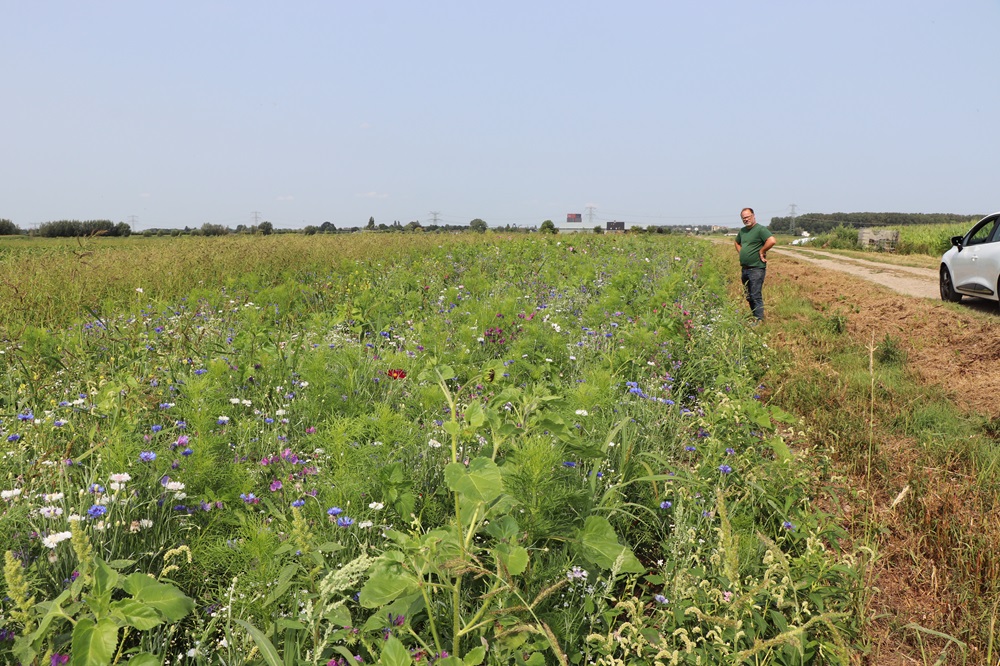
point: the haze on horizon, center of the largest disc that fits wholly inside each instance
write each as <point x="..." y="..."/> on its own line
<point x="177" y="114"/>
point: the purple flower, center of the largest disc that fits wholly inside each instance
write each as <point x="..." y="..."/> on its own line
<point x="27" y="416"/>
<point x="200" y="371"/>
<point x="725" y="469"/>
<point x="187" y="452"/>
<point x="147" y="456"/>
<point x="249" y="498"/>
<point x="788" y="525"/>
<point x="344" y="521"/>
<point x="334" y="511"/>
<point x="275" y="485"/>
<point x="157" y="428"/>
<point x="689" y="448"/>
<point x="298" y="502"/>
<point x="97" y="510"/>
<point x="660" y="599"/>
<point x="730" y="452"/>
<point x="666" y="504"/>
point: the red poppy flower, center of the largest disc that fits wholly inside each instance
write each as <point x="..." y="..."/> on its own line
<point x="396" y="373"/>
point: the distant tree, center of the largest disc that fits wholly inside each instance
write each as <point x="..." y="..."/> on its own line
<point x="479" y="226"/>
<point x="209" y="229"/>
<point x="548" y="227"/>
<point x="122" y="229"/>
<point x="371" y="223"/>
<point x="8" y="228"/>
<point x="413" y="226"/>
<point x="328" y="228"/>
<point x="265" y="228"/>
<point x="310" y="230"/>
<point x="598" y="229"/>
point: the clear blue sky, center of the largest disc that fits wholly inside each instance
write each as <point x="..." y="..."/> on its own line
<point x="181" y="113"/>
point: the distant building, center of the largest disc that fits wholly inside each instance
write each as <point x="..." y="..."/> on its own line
<point x="616" y="226"/>
<point x="574" y="218"/>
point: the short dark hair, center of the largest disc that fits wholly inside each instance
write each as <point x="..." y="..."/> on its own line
<point x="749" y="209"/>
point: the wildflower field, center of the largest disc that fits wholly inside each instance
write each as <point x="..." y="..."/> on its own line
<point x="400" y="449"/>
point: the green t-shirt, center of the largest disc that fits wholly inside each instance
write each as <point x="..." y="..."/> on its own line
<point x="750" y="241"/>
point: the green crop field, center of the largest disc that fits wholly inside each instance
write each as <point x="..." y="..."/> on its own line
<point x="402" y="449"/>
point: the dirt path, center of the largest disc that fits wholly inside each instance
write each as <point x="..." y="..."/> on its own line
<point x="918" y="282"/>
<point x="953" y="346"/>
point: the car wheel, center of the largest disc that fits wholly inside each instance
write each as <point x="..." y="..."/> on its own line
<point x="948" y="292"/>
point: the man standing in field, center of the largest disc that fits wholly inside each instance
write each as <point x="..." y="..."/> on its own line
<point x="752" y="242"/>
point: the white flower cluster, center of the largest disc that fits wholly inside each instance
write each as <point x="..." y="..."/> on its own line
<point x="52" y="540"/>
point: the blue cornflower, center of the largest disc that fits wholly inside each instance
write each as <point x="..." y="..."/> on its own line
<point x="788" y="525"/>
<point x="666" y="504"/>
<point x="59" y="424"/>
<point x="344" y="521"/>
<point x="660" y="599"/>
<point x="13" y="438"/>
<point x="730" y="452"/>
<point x="97" y="510"/>
<point x="249" y="498"/>
<point x="334" y="511"/>
<point x="725" y="469"/>
<point x="27" y="416"/>
<point x="689" y="448"/>
<point x="95" y="488"/>
<point x="200" y="371"/>
<point x="157" y="428"/>
<point x="187" y="451"/>
<point x="147" y="456"/>
<point x="298" y="502"/>
<point x="569" y="463"/>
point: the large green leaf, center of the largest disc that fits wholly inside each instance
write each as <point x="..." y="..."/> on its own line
<point x="475" y="656"/>
<point x="517" y="560"/>
<point x="137" y="581"/>
<point x="94" y="643"/>
<point x="167" y="599"/>
<point x="136" y="614"/>
<point x="394" y="653"/>
<point x="598" y="543"/>
<point x="384" y="586"/>
<point x="481" y="482"/>
<point x="474" y="415"/>
<point x="145" y="659"/>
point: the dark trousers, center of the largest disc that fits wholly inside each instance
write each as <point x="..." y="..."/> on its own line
<point x="753" y="286"/>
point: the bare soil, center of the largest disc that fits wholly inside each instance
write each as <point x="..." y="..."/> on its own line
<point x="954" y="348"/>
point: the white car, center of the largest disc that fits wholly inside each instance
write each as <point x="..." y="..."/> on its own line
<point x="971" y="267"/>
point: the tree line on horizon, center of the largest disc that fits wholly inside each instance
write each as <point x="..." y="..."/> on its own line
<point x="819" y="223"/>
<point x="813" y="223"/>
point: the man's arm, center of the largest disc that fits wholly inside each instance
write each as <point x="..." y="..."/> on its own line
<point x="768" y="244"/>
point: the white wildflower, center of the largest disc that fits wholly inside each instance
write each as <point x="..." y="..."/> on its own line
<point x="52" y="540"/>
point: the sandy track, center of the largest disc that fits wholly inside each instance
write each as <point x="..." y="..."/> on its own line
<point x="906" y="280"/>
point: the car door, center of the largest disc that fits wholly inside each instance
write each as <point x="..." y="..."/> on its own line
<point x="974" y="267"/>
